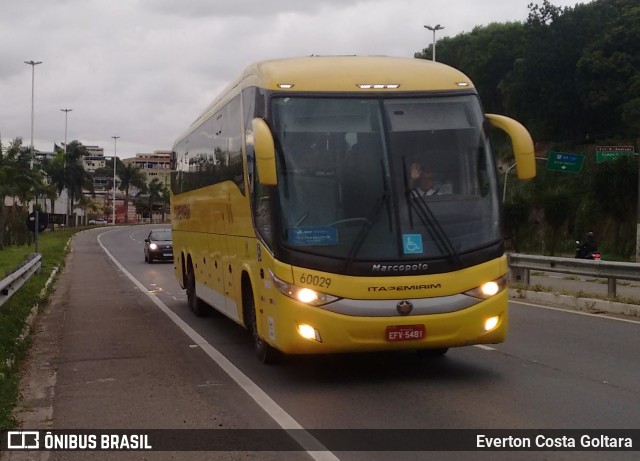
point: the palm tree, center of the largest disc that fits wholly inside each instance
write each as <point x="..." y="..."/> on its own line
<point x="86" y="203"/>
<point x="130" y="175"/>
<point x="155" y="188"/>
<point x="76" y="178"/>
<point x="166" y="197"/>
<point x="54" y="170"/>
<point x="8" y="173"/>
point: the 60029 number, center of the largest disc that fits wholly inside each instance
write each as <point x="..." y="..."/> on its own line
<point x="310" y="279"/>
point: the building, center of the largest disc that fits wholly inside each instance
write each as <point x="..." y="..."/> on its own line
<point x="155" y="165"/>
<point x="94" y="159"/>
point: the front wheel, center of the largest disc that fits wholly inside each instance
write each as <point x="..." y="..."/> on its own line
<point x="265" y="352"/>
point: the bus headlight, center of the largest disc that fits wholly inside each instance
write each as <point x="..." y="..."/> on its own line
<point x="488" y="289"/>
<point x="302" y="294"/>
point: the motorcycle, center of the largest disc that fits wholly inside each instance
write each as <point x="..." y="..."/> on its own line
<point x="582" y="254"/>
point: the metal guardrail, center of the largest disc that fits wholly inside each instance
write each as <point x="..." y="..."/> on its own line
<point x="520" y="266"/>
<point x="13" y="282"/>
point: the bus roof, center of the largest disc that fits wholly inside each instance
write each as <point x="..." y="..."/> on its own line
<point x="342" y="74"/>
<point x="345" y="73"/>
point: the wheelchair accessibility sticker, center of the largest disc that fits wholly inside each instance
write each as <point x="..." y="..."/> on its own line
<point x="412" y="243"/>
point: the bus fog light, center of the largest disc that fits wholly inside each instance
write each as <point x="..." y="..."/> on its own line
<point x="308" y="332"/>
<point x="491" y="323"/>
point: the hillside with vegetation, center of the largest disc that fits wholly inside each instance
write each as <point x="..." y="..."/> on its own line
<point x="572" y="77"/>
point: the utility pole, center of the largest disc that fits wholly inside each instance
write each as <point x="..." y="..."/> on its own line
<point x="115" y="158"/>
<point x="33" y="65"/>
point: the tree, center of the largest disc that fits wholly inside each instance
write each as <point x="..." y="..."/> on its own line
<point x="166" y="197"/>
<point x="557" y="206"/>
<point x="54" y="171"/>
<point x="155" y="189"/>
<point x="76" y="178"/>
<point x="618" y="199"/>
<point x="20" y="182"/>
<point x="130" y="175"/>
<point x="608" y="73"/>
<point x="516" y="217"/>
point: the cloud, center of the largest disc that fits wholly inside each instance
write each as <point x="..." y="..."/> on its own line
<point x="143" y="70"/>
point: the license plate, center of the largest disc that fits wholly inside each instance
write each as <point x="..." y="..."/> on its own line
<point x="168" y="255"/>
<point x="405" y="332"/>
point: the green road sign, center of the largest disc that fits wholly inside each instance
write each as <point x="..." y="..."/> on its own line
<point x="604" y="153"/>
<point x="561" y="161"/>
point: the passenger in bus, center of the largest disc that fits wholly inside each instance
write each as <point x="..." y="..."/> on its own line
<point x="425" y="181"/>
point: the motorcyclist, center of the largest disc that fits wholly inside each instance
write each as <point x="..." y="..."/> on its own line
<point x="588" y="246"/>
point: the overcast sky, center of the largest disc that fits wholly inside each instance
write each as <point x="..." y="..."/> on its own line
<point x="144" y="69"/>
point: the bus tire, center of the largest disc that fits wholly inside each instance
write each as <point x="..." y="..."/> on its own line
<point x="198" y="307"/>
<point x="266" y="353"/>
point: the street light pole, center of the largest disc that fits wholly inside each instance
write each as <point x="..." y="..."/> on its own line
<point x="115" y="158"/>
<point x="33" y="65"/>
<point x="433" y="29"/>
<point x="66" y="114"/>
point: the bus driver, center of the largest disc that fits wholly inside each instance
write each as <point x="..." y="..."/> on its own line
<point x="422" y="181"/>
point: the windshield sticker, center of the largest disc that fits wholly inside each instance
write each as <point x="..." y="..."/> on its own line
<point x="310" y="236"/>
<point x="412" y="244"/>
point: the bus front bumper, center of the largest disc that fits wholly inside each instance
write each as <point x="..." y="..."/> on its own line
<point x="303" y="329"/>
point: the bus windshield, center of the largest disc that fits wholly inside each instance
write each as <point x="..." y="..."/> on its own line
<point x="375" y="179"/>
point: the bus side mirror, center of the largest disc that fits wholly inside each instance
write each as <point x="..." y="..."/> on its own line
<point x="265" y="151"/>
<point x="521" y="142"/>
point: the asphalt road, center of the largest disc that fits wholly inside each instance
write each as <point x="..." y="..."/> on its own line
<point x="129" y="354"/>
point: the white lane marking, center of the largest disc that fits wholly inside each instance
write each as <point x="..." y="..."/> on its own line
<point x="570" y="311"/>
<point x="312" y="446"/>
<point x="486" y="348"/>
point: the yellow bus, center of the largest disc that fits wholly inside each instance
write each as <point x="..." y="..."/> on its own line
<point x="343" y="204"/>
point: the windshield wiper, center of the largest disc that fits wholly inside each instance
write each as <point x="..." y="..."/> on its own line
<point x="365" y="229"/>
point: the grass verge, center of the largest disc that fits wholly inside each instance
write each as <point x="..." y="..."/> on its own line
<point x="14" y="313"/>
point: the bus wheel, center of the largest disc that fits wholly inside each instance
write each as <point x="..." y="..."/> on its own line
<point x="427" y="353"/>
<point x="197" y="306"/>
<point x="265" y="352"/>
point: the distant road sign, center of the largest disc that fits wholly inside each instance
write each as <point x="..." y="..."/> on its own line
<point x="561" y="161"/>
<point x="604" y="153"/>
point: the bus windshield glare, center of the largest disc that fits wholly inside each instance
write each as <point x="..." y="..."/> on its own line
<point x="384" y="179"/>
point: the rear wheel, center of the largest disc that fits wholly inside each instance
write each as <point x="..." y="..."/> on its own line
<point x="265" y="352"/>
<point x="198" y="307"/>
